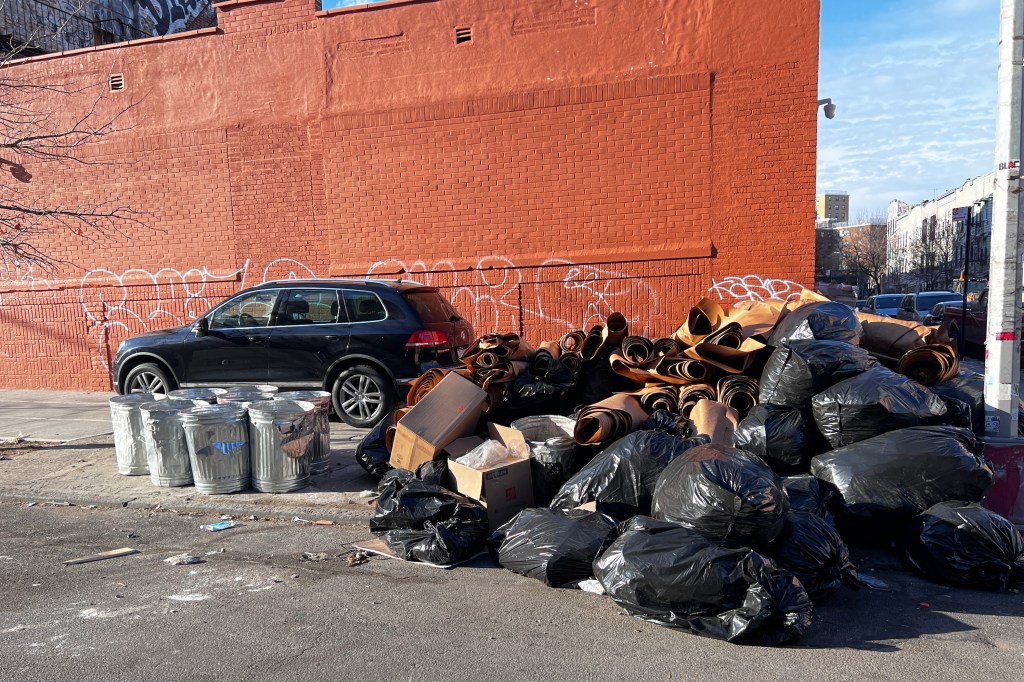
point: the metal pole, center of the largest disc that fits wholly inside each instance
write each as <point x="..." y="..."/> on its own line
<point x="1002" y="338"/>
<point x="967" y="278"/>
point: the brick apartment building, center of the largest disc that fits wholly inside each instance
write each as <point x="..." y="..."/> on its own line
<point x="543" y="161"/>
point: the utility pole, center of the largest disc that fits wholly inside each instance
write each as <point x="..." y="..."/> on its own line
<point x="1002" y="338"/>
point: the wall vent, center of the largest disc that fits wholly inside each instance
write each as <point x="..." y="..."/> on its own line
<point x="116" y="82"/>
<point x="463" y="35"/>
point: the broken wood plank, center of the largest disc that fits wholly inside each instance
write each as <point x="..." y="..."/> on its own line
<point x="112" y="554"/>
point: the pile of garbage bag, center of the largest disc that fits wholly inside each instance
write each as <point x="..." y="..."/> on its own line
<point x="710" y="478"/>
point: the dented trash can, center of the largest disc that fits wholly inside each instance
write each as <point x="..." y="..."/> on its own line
<point x="320" y="456"/>
<point x="129" y="444"/>
<point x="552" y="453"/>
<point x="166" y="447"/>
<point x="218" y="447"/>
<point x="281" y="435"/>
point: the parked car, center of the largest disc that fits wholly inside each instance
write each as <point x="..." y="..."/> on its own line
<point x="974" y="323"/>
<point x="362" y="340"/>
<point x="861" y="302"/>
<point x="914" y="307"/>
<point x="884" y="304"/>
<point x="937" y="314"/>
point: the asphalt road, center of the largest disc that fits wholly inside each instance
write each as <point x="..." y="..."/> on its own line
<point x="257" y="610"/>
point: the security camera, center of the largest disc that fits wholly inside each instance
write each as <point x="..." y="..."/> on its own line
<point x="830" y="109"/>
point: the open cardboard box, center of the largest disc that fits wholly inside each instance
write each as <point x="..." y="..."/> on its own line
<point x="504" y="489"/>
<point x="452" y="409"/>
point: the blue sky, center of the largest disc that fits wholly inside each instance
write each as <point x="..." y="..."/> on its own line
<point x="915" y="86"/>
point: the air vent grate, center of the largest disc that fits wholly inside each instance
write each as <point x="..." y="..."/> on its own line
<point x="116" y="82"/>
<point x="463" y="35"/>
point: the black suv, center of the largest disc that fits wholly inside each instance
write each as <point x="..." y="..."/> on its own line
<point x="362" y="340"/>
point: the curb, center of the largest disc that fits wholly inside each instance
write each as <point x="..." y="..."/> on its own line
<point x="216" y="505"/>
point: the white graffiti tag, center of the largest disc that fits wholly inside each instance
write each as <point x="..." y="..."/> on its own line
<point x="754" y="288"/>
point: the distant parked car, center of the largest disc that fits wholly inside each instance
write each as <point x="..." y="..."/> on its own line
<point x="975" y="321"/>
<point x="914" y="307"/>
<point x="938" y="312"/>
<point x="884" y="304"/>
<point x="860" y="303"/>
<point x="362" y="340"/>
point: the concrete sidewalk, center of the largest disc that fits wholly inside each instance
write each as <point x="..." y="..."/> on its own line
<point x="75" y="464"/>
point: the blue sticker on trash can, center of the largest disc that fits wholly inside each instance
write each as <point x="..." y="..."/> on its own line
<point x="229" y="446"/>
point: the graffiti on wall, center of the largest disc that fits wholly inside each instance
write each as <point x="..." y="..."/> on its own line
<point x="496" y="294"/>
<point x="755" y="288"/>
<point x="169" y="16"/>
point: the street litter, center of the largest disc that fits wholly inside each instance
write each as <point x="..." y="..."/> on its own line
<point x="111" y="554"/>
<point x="219" y="525"/>
<point x="317" y="556"/>
<point x="651" y="468"/>
<point x="184" y="560"/>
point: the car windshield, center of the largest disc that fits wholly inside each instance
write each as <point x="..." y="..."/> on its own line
<point x="927" y="301"/>
<point x="888" y="301"/>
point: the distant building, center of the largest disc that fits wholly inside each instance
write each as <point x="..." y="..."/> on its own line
<point x="34" y="27"/>
<point x="851" y="254"/>
<point x="927" y="247"/>
<point x="834" y="207"/>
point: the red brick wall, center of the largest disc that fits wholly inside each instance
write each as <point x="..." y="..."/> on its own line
<point x="600" y="155"/>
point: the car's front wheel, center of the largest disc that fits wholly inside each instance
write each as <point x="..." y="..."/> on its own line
<point x="362" y="396"/>
<point x="148" y="378"/>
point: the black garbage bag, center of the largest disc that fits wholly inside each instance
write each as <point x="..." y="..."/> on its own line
<point x="895" y="476"/>
<point x="797" y="372"/>
<point x="554" y="546"/>
<point x="372" y="451"/>
<point x="784" y="437"/>
<point x="809" y="495"/>
<point x="821" y="320"/>
<point x="872" y="403"/>
<point x="421" y="521"/>
<point x="665" y="573"/>
<point x="621" y="479"/>
<point x="723" y="493"/>
<point x="597" y="380"/>
<point x="965" y="398"/>
<point x="530" y="395"/>
<point x="963" y="544"/>
<point x="812" y="549"/>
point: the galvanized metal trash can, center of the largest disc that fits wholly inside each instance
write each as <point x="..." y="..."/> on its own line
<point x="552" y="453"/>
<point x="320" y="458"/>
<point x="218" y="447"/>
<point x="243" y="397"/>
<point x="252" y="388"/>
<point x="166" y="448"/>
<point x="208" y="395"/>
<point x="281" y="435"/>
<point x="129" y="443"/>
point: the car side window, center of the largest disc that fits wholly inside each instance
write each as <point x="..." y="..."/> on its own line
<point x="907" y="303"/>
<point x="250" y="310"/>
<point x="309" y="306"/>
<point x="870" y="305"/>
<point x="363" y="306"/>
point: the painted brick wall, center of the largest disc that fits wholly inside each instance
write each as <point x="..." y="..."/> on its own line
<point x="574" y="159"/>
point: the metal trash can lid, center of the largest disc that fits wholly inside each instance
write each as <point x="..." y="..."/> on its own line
<point x="244" y="397"/>
<point x="318" y="398"/>
<point x="213" y="414"/>
<point x="171" y="405"/>
<point x="288" y="409"/>
<point x="207" y="394"/>
<point x="129" y="400"/>
<point x="252" y="388"/>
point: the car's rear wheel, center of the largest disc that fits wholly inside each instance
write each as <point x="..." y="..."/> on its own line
<point x="362" y="396"/>
<point x="148" y="378"/>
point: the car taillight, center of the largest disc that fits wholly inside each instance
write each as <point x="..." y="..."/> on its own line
<point x="426" y="339"/>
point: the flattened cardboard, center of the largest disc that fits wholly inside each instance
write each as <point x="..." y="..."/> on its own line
<point x="504" y="489"/>
<point x="452" y="409"/>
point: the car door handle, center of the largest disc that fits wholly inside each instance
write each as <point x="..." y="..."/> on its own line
<point x="333" y="337"/>
<point x="256" y="340"/>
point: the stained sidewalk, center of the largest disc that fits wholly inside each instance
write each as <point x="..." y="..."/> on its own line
<point x="56" y="447"/>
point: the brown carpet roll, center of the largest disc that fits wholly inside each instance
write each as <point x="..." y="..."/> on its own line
<point x="637" y="349"/>
<point x="663" y="347"/>
<point x="738" y="392"/>
<point x="891" y="338"/>
<point x="715" y="420"/>
<point x="690" y="395"/>
<point x="678" y="370"/>
<point x="659" y="398"/>
<point x="572" y="342"/>
<point x="607" y="421"/>
<point x="730" y="336"/>
<point x="615" y="329"/>
<point x="571" y="362"/>
<point x="703" y="319"/>
<point x="592" y="343"/>
<point x="426" y="382"/>
<point x="930" y="364"/>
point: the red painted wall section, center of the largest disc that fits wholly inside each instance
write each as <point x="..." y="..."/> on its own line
<point x="599" y="155"/>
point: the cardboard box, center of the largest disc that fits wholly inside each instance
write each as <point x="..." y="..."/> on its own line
<point x="504" y="489"/>
<point x="452" y="409"/>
